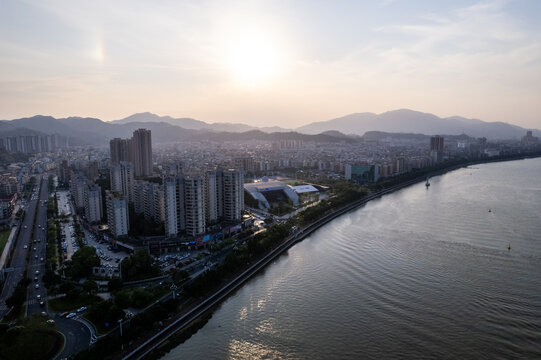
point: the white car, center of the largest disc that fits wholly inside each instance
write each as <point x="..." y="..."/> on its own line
<point x="70" y="315"/>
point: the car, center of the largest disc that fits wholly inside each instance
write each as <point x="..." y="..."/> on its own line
<point x="81" y="309"/>
<point x="26" y="246"/>
<point x="39" y="297"/>
<point x="35" y="256"/>
<point x="41" y="259"/>
<point x="41" y="303"/>
<point x="25" y="226"/>
<point x="37" y="286"/>
<point x="70" y="315"/>
<point x="37" y="272"/>
<point x="35" y="248"/>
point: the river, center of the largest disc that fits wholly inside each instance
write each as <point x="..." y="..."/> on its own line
<point x="417" y="274"/>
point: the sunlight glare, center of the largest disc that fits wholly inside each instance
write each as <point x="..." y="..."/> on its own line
<point x="252" y="58"/>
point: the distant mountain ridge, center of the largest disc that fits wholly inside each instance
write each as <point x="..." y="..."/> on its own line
<point x="397" y="121"/>
<point x="409" y="121"/>
<point x="193" y="124"/>
<point x="92" y="131"/>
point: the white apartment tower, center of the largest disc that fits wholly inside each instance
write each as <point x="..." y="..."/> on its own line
<point x="233" y="193"/>
<point x="194" y="205"/>
<point x="93" y="204"/>
<point x="211" y="197"/>
<point x="117" y="214"/>
<point x="170" y="206"/>
<point x="122" y="179"/>
<point x="148" y="199"/>
<point x="190" y="203"/>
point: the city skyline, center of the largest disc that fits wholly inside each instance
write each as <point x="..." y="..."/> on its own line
<point x="270" y="63"/>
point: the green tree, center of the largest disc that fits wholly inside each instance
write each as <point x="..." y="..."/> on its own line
<point x="114" y="284"/>
<point x="83" y="261"/>
<point x="122" y="299"/>
<point x="138" y="266"/>
<point x="105" y="312"/>
<point x="90" y="286"/>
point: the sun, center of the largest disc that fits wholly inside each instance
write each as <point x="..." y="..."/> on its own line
<point x="252" y="58"/>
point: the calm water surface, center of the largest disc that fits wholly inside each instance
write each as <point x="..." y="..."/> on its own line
<point x="420" y="274"/>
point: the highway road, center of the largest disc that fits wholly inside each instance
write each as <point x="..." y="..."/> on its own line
<point x="76" y="333"/>
<point x="18" y="262"/>
<point x="36" y="266"/>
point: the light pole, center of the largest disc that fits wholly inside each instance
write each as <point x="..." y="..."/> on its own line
<point x="174" y="288"/>
<point x="121" y="342"/>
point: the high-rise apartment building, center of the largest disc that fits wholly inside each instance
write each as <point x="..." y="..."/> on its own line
<point x="148" y="199"/>
<point x="64" y="172"/>
<point x="233" y="194"/>
<point x="78" y="187"/>
<point x="122" y="179"/>
<point x="194" y="205"/>
<point x="193" y="202"/>
<point x="142" y="150"/>
<point x="93" y="203"/>
<point x="120" y="150"/>
<point x="170" y="206"/>
<point x="137" y="150"/>
<point x="436" y="148"/>
<point x="211" y="197"/>
<point x="117" y="214"/>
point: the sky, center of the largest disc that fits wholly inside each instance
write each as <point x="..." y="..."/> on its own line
<point x="265" y="63"/>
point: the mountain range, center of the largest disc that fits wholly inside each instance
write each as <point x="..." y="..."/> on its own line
<point x="92" y="131"/>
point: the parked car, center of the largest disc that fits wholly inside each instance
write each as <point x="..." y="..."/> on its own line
<point x="70" y="315"/>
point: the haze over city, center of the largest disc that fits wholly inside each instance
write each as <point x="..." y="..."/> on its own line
<point x="266" y="179"/>
<point x="267" y="63"/>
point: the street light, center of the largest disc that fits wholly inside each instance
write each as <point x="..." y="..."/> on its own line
<point x="121" y="342"/>
<point x="174" y="288"/>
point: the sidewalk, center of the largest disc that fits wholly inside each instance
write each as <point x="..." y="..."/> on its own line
<point x="7" y="249"/>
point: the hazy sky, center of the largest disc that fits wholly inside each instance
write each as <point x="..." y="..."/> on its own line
<point x="283" y="63"/>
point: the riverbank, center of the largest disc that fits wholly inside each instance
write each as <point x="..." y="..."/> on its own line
<point x="217" y="296"/>
<point x="419" y="266"/>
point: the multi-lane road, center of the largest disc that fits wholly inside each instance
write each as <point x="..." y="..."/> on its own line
<point x="38" y="250"/>
<point x="32" y="239"/>
<point x="18" y="262"/>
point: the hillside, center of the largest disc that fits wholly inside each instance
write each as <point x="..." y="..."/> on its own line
<point x="409" y="121"/>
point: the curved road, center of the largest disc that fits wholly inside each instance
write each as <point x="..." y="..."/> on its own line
<point x="77" y="336"/>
